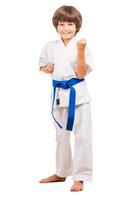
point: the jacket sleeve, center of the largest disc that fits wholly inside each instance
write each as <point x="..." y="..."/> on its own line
<point x="43" y="59"/>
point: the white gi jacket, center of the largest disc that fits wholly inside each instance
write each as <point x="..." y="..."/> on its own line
<point x="64" y="60"/>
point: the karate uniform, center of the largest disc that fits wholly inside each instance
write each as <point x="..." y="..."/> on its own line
<point x="64" y="60"/>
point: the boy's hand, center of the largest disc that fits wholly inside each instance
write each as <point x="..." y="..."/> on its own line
<point x="81" y="44"/>
<point x="47" y="69"/>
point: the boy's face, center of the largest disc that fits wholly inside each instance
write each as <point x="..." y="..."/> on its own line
<point x="66" y="30"/>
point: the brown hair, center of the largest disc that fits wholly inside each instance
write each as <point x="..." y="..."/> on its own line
<point x="67" y="14"/>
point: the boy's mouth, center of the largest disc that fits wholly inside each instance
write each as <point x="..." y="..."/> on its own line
<point x="66" y="33"/>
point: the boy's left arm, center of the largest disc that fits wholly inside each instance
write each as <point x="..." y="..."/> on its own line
<point x="82" y="68"/>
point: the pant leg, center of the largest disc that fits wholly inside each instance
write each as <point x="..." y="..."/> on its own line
<point x="63" y="147"/>
<point x="82" y="164"/>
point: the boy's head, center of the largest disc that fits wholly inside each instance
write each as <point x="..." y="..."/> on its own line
<point x="67" y="21"/>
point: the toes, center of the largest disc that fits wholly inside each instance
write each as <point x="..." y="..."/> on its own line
<point x="42" y="181"/>
<point x="76" y="189"/>
<point x="72" y="189"/>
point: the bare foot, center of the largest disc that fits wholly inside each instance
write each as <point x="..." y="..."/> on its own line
<point x="77" y="186"/>
<point x="53" y="178"/>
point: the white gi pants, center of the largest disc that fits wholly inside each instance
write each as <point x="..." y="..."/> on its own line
<point x="80" y="167"/>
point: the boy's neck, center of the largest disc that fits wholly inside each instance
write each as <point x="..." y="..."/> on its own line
<point x="66" y="41"/>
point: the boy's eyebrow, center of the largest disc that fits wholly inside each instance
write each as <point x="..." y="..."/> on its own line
<point x="67" y="22"/>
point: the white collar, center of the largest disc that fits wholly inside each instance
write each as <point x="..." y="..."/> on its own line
<point x="72" y="41"/>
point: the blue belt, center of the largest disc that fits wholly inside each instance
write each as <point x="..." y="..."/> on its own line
<point x="67" y="84"/>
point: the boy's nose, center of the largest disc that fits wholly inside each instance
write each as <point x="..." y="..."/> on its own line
<point x="65" y="27"/>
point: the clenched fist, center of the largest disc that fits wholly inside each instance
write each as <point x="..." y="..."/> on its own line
<point x="48" y="68"/>
<point x="81" y="44"/>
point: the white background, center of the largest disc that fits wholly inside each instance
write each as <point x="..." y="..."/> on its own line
<point x="27" y="136"/>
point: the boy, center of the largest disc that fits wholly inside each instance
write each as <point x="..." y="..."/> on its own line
<point x="68" y="62"/>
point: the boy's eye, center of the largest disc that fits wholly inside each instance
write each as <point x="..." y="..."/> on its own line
<point x="70" y="24"/>
<point x="61" y="24"/>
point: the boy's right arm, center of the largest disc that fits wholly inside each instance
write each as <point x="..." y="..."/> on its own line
<point x="48" y="68"/>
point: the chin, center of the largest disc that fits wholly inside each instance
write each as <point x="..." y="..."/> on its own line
<point x="67" y="37"/>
